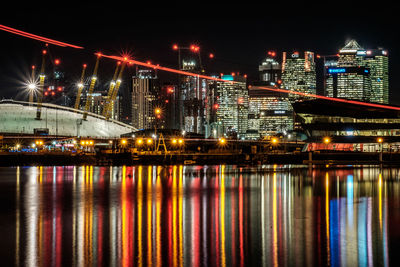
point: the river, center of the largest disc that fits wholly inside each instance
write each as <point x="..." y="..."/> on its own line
<point x="199" y="216"/>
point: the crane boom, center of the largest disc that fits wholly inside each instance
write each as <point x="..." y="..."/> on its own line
<point x="41" y="86"/>
<point x="91" y="87"/>
<point x="110" y="90"/>
<point x="115" y="92"/>
<point x="80" y="88"/>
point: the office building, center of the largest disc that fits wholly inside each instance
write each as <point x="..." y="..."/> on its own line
<point x="359" y="74"/>
<point x="270" y="113"/>
<point x="298" y="72"/>
<point x="145" y="92"/>
<point x="231" y="107"/>
<point x="270" y="71"/>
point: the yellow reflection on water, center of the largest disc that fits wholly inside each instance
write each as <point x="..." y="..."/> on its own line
<point x="222" y="214"/>
<point x="149" y="217"/>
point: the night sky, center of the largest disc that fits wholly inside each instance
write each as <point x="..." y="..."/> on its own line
<point x="238" y="34"/>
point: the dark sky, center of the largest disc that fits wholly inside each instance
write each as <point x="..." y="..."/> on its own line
<point x="238" y="34"/>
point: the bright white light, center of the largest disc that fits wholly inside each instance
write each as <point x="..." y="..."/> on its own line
<point x="31" y="86"/>
<point x="80" y="85"/>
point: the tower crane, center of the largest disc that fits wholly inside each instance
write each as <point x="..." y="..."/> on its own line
<point x="41" y="86"/>
<point x="80" y="87"/>
<point x="91" y="87"/>
<point x="115" y="91"/>
<point x="110" y="89"/>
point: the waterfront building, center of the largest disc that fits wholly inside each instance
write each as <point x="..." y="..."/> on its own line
<point x="145" y="91"/>
<point x="348" y="126"/>
<point x="231" y="107"/>
<point x="298" y="72"/>
<point x="359" y="74"/>
<point x="270" y="113"/>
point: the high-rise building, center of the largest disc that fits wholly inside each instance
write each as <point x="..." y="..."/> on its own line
<point x="270" y="113"/>
<point x="231" y="107"/>
<point x="191" y="97"/>
<point x="145" y="91"/>
<point x="298" y="72"/>
<point x="359" y="74"/>
<point x="270" y="71"/>
<point x="378" y="63"/>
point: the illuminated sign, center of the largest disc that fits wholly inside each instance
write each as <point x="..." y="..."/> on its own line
<point x="361" y="53"/>
<point x="337" y="70"/>
<point x="227" y="77"/>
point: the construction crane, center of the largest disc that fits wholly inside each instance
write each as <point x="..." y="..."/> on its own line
<point x="41" y="86"/>
<point x="80" y="87"/>
<point x="91" y="87"/>
<point x="110" y="89"/>
<point x="32" y="90"/>
<point x="115" y="91"/>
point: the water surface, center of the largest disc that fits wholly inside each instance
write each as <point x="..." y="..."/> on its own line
<point x="199" y="216"/>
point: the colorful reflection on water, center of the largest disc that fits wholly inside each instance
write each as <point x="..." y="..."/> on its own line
<point x="200" y="216"/>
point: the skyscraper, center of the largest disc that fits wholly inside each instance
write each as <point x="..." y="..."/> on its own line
<point x="378" y="62"/>
<point x="359" y="74"/>
<point x="270" y="71"/>
<point x="231" y="107"/>
<point x="298" y="72"/>
<point x="145" y="91"/>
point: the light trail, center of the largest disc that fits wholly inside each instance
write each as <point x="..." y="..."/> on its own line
<point x="158" y="67"/>
<point x="37" y="37"/>
<point x="342" y="100"/>
<point x="347" y="101"/>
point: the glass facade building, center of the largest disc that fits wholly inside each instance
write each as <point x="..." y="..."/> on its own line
<point x="270" y="113"/>
<point x="359" y="74"/>
<point x="298" y="72"/>
<point x="231" y="106"/>
<point x="145" y="91"/>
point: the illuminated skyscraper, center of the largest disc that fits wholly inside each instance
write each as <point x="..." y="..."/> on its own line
<point x="145" y="91"/>
<point x="191" y="97"/>
<point x="231" y="107"/>
<point x="270" y="71"/>
<point x="378" y="62"/>
<point x="298" y="72"/>
<point x="359" y="74"/>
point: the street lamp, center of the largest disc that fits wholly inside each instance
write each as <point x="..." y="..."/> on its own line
<point x="380" y="141"/>
<point x="327" y="140"/>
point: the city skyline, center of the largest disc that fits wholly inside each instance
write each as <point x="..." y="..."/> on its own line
<point x="238" y="44"/>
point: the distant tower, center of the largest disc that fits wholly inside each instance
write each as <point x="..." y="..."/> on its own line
<point x="359" y="74"/>
<point x="270" y="70"/>
<point x="145" y="91"/>
<point x="298" y="72"/>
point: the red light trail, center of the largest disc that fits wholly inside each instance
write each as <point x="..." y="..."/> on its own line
<point x="131" y="61"/>
<point x="37" y="37"/>
<point x="196" y="49"/>
<point x="347" y="101"/>
<point x="158" y="67"/>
